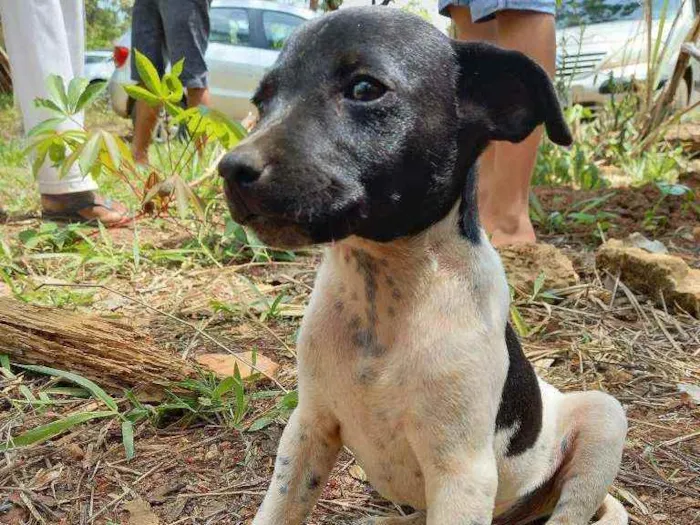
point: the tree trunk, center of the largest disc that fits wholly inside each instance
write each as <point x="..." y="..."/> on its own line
<point x="112" y="354"/>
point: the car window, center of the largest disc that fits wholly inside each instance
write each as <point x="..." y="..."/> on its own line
<point x="588" y="12"/>
<point x="278" y="26"/>
<point x="95" y="59"/>
<point x="230" y="26"/>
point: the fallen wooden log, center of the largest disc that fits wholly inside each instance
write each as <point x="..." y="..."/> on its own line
<point x="111" y="353"/>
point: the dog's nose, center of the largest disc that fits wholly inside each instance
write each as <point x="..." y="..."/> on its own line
<point x="241" y="167"/>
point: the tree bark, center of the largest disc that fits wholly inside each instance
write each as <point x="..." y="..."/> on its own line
<point x="112" y="354"/>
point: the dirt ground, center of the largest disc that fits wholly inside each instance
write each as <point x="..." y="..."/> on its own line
<point x="596" y="335"/>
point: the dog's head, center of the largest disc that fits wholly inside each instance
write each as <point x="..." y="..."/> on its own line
<point x="369" y="123"/>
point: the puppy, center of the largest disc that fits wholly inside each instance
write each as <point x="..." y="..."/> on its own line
<point x="371" y="123"/>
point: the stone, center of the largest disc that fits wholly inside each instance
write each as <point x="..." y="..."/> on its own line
<point x="525" y="262"/>
<point x="660" y="276"/>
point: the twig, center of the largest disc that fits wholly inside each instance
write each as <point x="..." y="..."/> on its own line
<point x="170" y="316"/>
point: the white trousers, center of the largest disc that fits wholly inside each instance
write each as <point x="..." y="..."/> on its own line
<point x="45" y="37"/>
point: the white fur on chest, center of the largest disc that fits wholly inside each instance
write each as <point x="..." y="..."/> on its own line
<point x="393" y="334"/>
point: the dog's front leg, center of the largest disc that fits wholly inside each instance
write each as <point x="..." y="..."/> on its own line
<point x="308" y="448"/>
<point x="461" y="488"/>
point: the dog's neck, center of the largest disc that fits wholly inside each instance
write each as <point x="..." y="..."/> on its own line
<point x="370" y="287"/>
<point x="407" y="265"/>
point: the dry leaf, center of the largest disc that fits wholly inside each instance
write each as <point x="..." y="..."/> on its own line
<point x="633" y="500"/>
<point x="223" y="364"/>
<point x="44" y="477"/>
<point x="357" y="472"/>
<point x="140" y="513"/>
<point x="689" y="393"/>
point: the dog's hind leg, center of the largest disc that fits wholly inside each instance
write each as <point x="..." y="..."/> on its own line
<point x="595" y="427"/>
<point x="417" y="518"/>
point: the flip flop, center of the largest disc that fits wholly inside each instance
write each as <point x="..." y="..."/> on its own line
<point x="74" y="216"/>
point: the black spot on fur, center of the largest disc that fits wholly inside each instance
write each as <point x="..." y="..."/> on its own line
<point x="284" y="460"/>
<point x="468" y="212"/>
<point x="313" y="482"/>
<point x="396" y="293"/>
<point x="391" y="311"/>
<point x="366" y="375"/>
<point x="339" y="306"/>
<point x="283" y="489"/>
<point x="521" y="400"/>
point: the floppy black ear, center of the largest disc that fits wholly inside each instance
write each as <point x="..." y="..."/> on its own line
<point x="506" y="94"/>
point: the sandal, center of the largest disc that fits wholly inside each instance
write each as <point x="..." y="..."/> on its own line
<point x="80" y="208"/>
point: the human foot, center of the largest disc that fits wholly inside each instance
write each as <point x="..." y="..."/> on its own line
<point x="84" y="206"/>
<point x="505" y="230"/>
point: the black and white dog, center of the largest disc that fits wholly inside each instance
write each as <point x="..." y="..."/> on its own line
<point x="371" y="125"/>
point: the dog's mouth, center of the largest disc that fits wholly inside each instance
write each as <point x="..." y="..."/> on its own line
<point x="294" y="230"/>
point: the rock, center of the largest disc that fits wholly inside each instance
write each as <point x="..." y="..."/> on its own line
<point x="212" y="453"/>
<point x="525" y="262"/>
<point x="654" y="274"/>
<point x="638" y="240"/>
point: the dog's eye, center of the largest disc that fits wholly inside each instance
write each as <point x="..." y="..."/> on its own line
<point x="365" y="90"/>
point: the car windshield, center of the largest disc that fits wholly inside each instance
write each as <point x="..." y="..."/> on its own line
<point x="587" y="12"/>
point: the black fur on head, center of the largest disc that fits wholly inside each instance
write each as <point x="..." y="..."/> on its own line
<point x="370" y="122"/>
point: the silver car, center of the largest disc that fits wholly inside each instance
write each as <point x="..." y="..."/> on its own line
<point x="245" y="39"/>
<point x="99" y="66"/>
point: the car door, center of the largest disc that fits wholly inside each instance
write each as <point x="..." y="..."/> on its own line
<point x="235" y="62"/>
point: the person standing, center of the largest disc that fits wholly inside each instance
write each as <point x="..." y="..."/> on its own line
<point x="43" y="38"/>
<point x="505" y="168"/>
<point x="181" y="29"/>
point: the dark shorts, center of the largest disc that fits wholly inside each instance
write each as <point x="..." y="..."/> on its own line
<point x="174" y="29"/>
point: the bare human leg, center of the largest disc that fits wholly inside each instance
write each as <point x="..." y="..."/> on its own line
<point x="505" y="168"/>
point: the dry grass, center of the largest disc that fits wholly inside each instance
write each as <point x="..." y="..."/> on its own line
<point x="600" y="336"/>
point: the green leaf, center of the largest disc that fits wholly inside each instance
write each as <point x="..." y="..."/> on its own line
<point x="57" y="152"/>
<point x="95" y="390"/>
<point x="90" y="152"/>
<point x="5" y="361"/>
<point x="56" y="88"/>
<point x="174" y="88"/>
<point x="70" y="161"/>
<point x="224" y="387"/>
<point x="139" y="93"/>
<point x="290" y="400"/>
<point x="90" y="93"/>
<point x="128" y="438"/>
<point x="177" y="68"/>
<point x="112" y="148"/>
<point x="46" y="126"/>
<point x="260" y="423"/>
<point x="539" y="282"/>
<point x="148" y="74"/>
<point x="76" y="87"/>
<point x="50" y="105"/>
<point x="44" y="432"/>
<point x="518" y="322"/>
